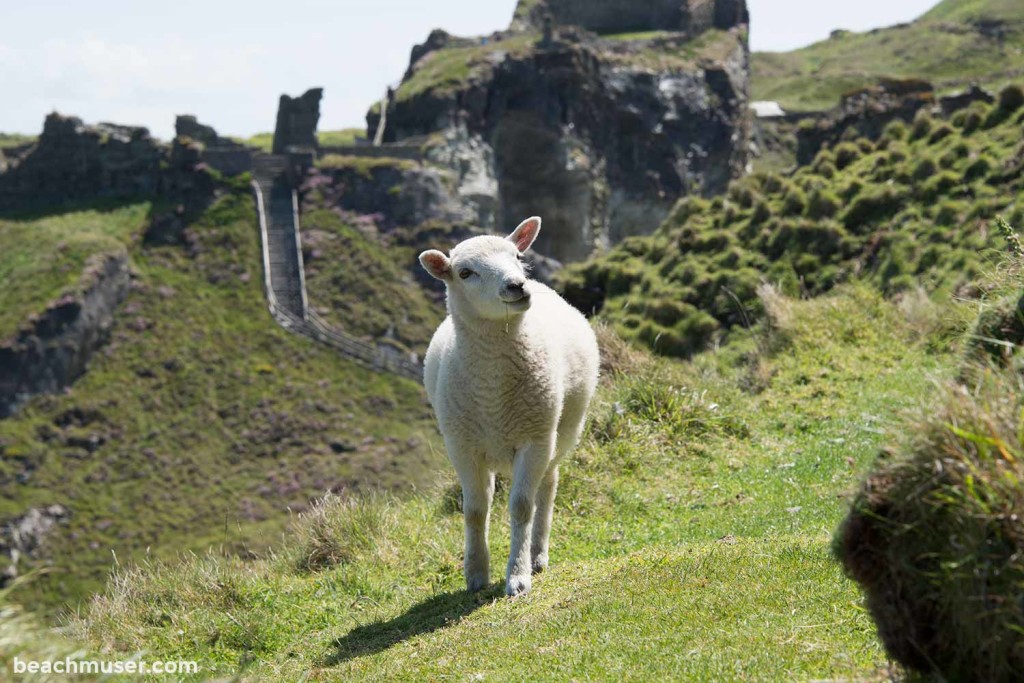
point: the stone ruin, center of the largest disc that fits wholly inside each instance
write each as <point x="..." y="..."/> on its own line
<point x="615" y="16"/>
<point x="297" y="119"/>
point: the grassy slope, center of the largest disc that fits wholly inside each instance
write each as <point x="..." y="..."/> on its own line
<point x="202" y="420"/>
<point x="338" y="256"/>
<point x="14" y="140"/>
<point x="690" y="539"/>
<point x="42" y="260"/>
<point x="942" y="46"/>
<point x="913" y="209"/>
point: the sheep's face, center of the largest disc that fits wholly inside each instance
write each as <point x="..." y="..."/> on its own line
<point x="485" y="275"/>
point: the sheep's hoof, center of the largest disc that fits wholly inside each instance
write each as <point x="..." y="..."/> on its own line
<point x="476" y="583"/>
<point x="517" y="585"/>
<point x="540" y="563"/>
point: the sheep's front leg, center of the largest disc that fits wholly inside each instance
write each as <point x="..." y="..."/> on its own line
<point x="542" y="520"/>
<point x="528" y="469"/>
<point x="477" y="493"/>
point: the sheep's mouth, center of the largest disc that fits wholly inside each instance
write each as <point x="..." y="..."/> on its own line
<point x="520" y="304"/>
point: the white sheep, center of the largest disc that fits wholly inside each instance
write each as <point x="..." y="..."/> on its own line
<point x="510" y="373"/>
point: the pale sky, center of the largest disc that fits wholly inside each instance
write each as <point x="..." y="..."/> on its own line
<point x="141" y="63"/>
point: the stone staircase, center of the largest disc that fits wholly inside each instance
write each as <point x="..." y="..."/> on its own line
<point x="285" y="280"/>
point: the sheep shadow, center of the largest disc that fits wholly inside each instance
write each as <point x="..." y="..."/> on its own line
<point x="434" y="613"/>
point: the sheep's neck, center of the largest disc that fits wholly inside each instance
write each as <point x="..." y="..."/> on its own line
<point x="487" y="334"/>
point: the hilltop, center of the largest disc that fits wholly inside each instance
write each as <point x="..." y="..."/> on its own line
<point x="953" y="45"/>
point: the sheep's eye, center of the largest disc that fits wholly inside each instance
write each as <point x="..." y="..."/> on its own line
<point x="465" y="272"/>
<point x="519" y="256"/>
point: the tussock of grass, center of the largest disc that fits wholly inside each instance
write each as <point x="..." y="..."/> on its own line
<point x="339" y="529"/>
<point x="936" y="537"/>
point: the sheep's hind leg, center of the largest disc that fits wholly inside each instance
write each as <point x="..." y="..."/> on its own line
<point x="569" y="429"/>
<point x="477" y="493"/>
<point x="542" y="520"/>
<point x="528" y="470"/>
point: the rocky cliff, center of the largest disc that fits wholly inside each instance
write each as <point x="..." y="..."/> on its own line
<point x="54" y="349"/>
<point x="598" y="134"/>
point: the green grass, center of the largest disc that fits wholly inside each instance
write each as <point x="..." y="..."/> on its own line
<point x="346" y="136"/>
<point x="691" y="538"/>
<point x="338" y="257"/>
<point x="201" y="421"/>
<point x="42" y="260"/>
<point x="364" y="166"/>
<point x="914" y="209"/>
<point x="339" y="138"/>
<point x="941" y="46"/>
<point x="14" y="140"/>
<point x="448" y="69"/>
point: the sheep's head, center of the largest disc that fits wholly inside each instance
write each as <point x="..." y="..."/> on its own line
<point x="486" y="274"/>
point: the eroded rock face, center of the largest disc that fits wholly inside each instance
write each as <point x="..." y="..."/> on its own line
<point x="55" y="348"/>
<point x="23" y="536"/>
<point x="72" y="161"/>
<point x="599" y="137"/>
<point x="401" y="192"/>
<point x="297" y="118"/>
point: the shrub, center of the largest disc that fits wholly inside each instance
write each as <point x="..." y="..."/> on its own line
<point x="846" y="153"/>
<point x="872" y="206"/>
<point x="940" y="133"/>
<point x="940" y="185"/>
<point x="795" y="202"/>
<point x="922" y="125"/>
<point x="935" y="538"/>
<point x="822" y="204"/>
<point x="979" y="168"/>
<point x="1011" y="98"/>
<point x="895" y="130"/>
<point x="925" y="169"/>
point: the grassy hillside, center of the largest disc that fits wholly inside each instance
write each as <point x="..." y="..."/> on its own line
<point x="913" y="209"/>
<point x="202" y="421"/>
<point x="390" y="304"/>
<point x="957" y="43"/>
<point x="690" y="539"/>
<point x="42" y="260"/>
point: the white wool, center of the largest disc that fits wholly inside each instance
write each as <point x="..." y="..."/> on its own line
<point x="510" y="374"/>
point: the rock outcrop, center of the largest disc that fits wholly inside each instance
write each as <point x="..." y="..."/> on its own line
<point x="865" y="112"/>
<point x="297" y="118"/>
<point x="55" y="348"/>
<point x="600" y="136"/>
<point x="74" y="162"/>
<point x="24" y="535"/>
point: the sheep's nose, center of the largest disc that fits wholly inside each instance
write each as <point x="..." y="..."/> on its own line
<point x="514" y="290"/>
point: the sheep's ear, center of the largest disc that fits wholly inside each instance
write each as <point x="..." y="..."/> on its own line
<point x="525" y="234"/>
<point x="437" y="264"/>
